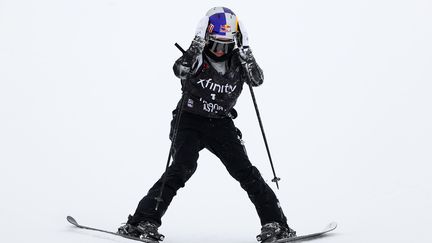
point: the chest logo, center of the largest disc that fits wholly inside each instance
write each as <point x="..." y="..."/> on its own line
<point x="218" y="88"/>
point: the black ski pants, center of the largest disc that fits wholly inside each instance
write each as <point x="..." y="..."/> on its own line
<point x="220" y="137"/>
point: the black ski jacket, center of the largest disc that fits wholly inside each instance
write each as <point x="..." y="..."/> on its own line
<point x="207" y="92"/>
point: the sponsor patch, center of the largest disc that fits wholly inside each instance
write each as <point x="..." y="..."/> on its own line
<point x="190" y="103"/>
<point x="210" y="28"/>
<point x="225" y="28"/>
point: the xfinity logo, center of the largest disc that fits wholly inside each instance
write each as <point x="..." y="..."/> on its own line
<point x="218" y="88"/>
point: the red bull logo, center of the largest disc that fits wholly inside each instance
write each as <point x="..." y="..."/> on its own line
<point x="225" y="28"/>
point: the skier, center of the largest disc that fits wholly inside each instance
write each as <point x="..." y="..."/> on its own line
<point x="212" y="72"/>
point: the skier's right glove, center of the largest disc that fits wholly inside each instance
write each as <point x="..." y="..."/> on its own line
<point x="186" y="65"/>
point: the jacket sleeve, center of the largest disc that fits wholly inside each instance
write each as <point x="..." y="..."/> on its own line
<point x="188" y="64"/>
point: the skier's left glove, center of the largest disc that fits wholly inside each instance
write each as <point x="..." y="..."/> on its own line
<point x="247" y="59"/>
<point x="245" y="53"/>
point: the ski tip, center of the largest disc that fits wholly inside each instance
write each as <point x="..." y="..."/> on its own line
<point x="332" y="226"/>
<point x="71" y="220"/>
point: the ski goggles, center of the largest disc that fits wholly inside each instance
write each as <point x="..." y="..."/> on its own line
<point x="216" y="45"/>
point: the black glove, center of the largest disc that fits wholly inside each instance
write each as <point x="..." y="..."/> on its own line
<point x="253" y="73"/>
<point x="245" y="56"/>
<point x="193" y="52"/>
<point x="186" y="65"/>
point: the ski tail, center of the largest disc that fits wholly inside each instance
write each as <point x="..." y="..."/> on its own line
<point x="72" y="221"/>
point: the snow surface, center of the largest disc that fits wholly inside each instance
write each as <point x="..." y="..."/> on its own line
<point x="86" y="90"/>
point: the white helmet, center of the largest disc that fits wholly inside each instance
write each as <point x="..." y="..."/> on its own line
<point x="223" y="23"/>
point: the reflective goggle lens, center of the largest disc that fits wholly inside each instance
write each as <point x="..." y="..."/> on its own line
<point x="220" y="45"/>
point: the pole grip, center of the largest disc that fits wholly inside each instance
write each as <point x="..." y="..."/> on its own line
<point x="159" y="198"/>
<point x="179" y="47"/>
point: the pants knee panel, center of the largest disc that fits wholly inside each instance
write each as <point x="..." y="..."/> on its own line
<point x="183" y="170"/>
<point x="248" y="177"/>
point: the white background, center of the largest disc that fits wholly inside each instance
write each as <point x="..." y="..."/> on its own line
<point x="86" y="91"/>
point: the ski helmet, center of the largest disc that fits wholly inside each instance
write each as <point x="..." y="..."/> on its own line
<point x="223" y="23"/>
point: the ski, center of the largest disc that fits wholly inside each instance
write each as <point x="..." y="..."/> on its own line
<point x="327" y="229"/>
<point x="71" y="220"/>
<point x="332" y="226"/>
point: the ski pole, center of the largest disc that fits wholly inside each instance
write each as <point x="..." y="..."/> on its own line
<point x="173" y="138"/>
<point x="275" y="179"/>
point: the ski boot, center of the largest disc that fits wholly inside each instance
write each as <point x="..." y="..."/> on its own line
<point x="272" y="232"/>
<point x="144" y="230"/>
